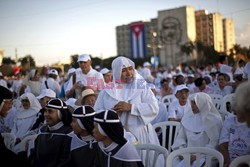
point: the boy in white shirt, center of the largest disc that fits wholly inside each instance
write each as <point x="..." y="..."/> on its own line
<point x="179" y="106"/>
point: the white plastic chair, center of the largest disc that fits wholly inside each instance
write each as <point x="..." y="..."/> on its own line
<point x="164" y="125"/>
<point x="9" y="140"/>
<point x="242" y="159"/>
<point x="149" y="148"/>
<point x="167" y="100"/>
<point x="199" y="152"/>
<point x="226" y="105"/>
<point x="217" y="100"/>
<point x="28" y="143"/>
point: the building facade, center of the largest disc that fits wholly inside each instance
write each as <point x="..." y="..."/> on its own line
<point x="174" y="28"/>
<point x="228" y="35"/>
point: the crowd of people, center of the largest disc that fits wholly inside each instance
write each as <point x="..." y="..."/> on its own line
<point x="95" y="117"/>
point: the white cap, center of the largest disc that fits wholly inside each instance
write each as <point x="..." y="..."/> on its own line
<point x="83" y="57"/>
<point x="71" y="70"/>
<point x="169" y="76"/>
<point x="48" y="93"/>
<point x="104" y="71"/>
<point x="97" y="67"/>
<point x="146" y="64"/>
<point x="180" y="87"/>
<point x="190" y="75"/>
<point x="53" y="71"/>
<point x="71" y="102"/>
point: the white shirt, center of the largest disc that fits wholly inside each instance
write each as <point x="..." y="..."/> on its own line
<point x="53" y="85"/>
<point x="238" y="137"/>
<point x="246" y="71"/>
<point x="177" y="111"/>
<point x="227" y="90"/>
<point x="85" y="79"/>
<point x="162" y="115"/>
<point x="3" y="83"/>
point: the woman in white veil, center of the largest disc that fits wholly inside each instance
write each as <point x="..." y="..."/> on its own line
<point x="31" y="83"/>
<point x="134" y="102"/>
<point x="200" y="127"/>
<point x="26" y="116"/>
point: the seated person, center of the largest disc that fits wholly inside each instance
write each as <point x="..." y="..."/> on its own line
<point x="180" y="105"/>
<point x="113" y="149"/>
<point x="52" y="145"/>
<point x="200" y="127"/>
<point x="83" y="143"/>
<point x="235" y="138"/>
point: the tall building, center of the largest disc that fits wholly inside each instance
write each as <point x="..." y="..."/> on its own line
<point x="209" y="29"/>
<point x="1" y="56"/>
<point x="124" y="38"/>
<point x="228" y="34"/>
<point x="177" y="28"/>
<point x="172" y="30"/>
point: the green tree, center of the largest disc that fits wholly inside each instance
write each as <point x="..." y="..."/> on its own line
<point x="73" y="61"/>
<point x="27" y="62"/>
<point x="8" y="61"/>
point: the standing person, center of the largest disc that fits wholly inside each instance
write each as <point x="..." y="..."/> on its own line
<point x="135" y="104"/>
<point x="52" y="145"/>
<point x="51" y="82"/>
<point x="113" y="149"/>
<point x="201" y="126"/>
<point x="31" y="83"/>
<point x="85" y="76"/>
<point x="107" y="75"/>
<point x="83" y="143"/>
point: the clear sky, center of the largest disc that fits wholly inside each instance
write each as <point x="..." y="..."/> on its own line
<point x="52" y="30"/>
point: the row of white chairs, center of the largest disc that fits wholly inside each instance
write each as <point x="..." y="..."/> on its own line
<point x="158" y="150"/>
<point x="205" y="153"/>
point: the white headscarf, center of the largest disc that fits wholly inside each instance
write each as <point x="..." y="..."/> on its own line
<point x="34" y="106"/>
<point x="206" y="118"/>
<point x="128" y="91"/>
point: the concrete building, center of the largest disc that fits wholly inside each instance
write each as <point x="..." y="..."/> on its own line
<point x="177" y="28"/>
<point x="228" y="34"/>
<point x="174" y="28"/>
<point x="1" y="56"/>
<point x="209" y="29"/>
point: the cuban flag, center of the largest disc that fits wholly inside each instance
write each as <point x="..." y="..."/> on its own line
<point x="138" y="42"/>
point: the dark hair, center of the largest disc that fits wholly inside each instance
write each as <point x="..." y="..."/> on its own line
<point x="163" y="80"/>
<point x="222" y="58"/>
<point x="198" y="82"/>
<point x="177" y="79"/>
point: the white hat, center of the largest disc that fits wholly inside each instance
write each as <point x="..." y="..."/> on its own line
<point x="48" y="93"/>
<point x="71" y="70"/>
<point x="1" y="74"/>
<point x="83" y="57"/>
<point x="169" y="76"/>
<point x="97" y="67"/>
<point x="146" y="64"/>
<point x="53" y="71"/>
<point x="180" y="87"/>
<point x="104" y="71"/>
<point x="71" y="102"/>
<point x="190" y="75"/>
